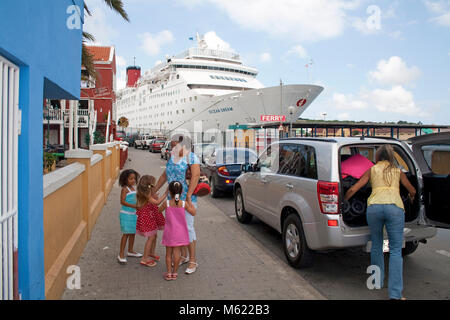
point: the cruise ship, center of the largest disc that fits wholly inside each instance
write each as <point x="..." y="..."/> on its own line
<point x="211" y="88"/>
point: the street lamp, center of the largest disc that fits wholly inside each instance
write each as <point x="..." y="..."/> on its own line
<point x="291" y="112"/>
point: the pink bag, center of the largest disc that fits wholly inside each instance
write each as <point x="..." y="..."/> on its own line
<point x="355" y="166"/>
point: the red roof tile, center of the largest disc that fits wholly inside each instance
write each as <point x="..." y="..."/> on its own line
<point x="100" y="53"/>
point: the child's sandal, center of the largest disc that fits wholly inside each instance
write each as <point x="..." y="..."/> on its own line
<point x="174" y="276"/>
<point x="150" y="263"/>
<point x="154" y="257"/>
<point x="167" y="276"/>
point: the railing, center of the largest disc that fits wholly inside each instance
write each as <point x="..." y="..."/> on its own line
<point x="58" y="115"/>
<point x="208" y="53"/>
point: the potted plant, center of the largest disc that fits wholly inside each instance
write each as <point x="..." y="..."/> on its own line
<point x="49" y="162"/>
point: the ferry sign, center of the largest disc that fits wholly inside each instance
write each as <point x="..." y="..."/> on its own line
<point x="269" y="118"/>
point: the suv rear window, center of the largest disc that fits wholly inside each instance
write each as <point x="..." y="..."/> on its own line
<point x="438" y="158"/>
<point x="298" y="160"/>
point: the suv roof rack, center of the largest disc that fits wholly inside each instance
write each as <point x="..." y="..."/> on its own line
<point x="309" y="139"/>
<point x="382" y="138"/>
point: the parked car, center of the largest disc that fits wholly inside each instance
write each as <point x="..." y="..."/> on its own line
<point x="296" y="187"/>
<point x="156" y="144"/>
<point x="141" y="141"/>
<point x="203" y="150"/>
<point x="223" y="166"/>
<point x="165" y="150"/>
<point x="131" y="140"/>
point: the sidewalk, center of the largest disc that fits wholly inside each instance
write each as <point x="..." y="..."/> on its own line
<point x="231" y="264"/>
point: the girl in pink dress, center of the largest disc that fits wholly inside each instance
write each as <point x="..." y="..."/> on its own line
<point x="176" y="233"/>
<point x="149" y="218"/>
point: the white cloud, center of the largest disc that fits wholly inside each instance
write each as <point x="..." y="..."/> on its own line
<point x="213" y="41"/>
<point x="394" y="72"/>
<point x="348" y="102"/>
<point x="299" y="51"/>
<point x="265" y="57"/>
<point x="396" y="100"/>
<point x="97" y="24"/>
<point x="299" y="20"/>
<point x="441" y="9"/>
<point x="152" y="43"/>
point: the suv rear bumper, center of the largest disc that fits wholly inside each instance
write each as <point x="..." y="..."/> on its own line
<point x="320" y="236"/>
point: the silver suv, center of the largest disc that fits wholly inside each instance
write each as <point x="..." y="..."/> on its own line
<point x="296" y="187"/>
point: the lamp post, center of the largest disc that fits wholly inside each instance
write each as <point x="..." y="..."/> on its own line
<point x="291" y="112"/>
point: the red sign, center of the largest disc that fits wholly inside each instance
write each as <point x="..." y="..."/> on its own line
<point x="301" y="102"/>
<point x="269" y="118"/>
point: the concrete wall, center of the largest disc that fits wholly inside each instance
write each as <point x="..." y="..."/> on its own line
<point x="34" y="36"/>
<point x="73" y="199"/>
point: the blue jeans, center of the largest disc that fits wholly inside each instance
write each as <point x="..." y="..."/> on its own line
<point x="379" y="215"/>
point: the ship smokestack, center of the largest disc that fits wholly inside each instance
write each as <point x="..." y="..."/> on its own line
<point x="133" y="75"/>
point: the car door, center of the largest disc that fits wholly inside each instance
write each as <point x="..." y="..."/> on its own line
<point x="297" y="174"/>
<point x="432" y="154"/>
<point x="254" y="190"/>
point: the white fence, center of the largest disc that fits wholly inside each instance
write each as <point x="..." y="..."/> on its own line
<point x="9" y="120"/>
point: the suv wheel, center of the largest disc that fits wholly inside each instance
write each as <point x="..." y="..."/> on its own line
<point x="410" y="247"/>
<point x="241" y="214"/>
<point x="295" y="247"/>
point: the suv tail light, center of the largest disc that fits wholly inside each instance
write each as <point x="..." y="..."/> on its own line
<point x="223" y="171"/>
<point x="328" y="196"/>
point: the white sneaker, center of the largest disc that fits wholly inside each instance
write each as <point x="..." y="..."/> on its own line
<point x="135" y="255"/>
<point x="121" y="260"/>
<point x="192" y="270"/>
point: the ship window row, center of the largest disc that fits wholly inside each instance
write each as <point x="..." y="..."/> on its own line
<point x="227" y="78"/>
<point x="214" y="68"/>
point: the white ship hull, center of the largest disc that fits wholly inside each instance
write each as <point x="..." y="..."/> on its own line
<point x="251" y="107"/>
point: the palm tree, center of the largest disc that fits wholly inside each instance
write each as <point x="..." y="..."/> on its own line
<point x="86" y="58"/>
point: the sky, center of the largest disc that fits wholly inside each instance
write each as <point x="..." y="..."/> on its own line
<point x="378" y="60"/>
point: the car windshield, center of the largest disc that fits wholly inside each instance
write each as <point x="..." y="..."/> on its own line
<point x="159" y="141"/>
<point x="231" y="155"/>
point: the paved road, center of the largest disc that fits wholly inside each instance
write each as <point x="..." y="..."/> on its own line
<point x="247" y="262"/>
<point x="232" y="265"/>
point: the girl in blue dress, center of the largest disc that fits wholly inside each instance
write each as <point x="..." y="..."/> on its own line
<point x="127" y="215"/>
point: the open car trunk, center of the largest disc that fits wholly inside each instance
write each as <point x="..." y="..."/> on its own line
<point x="354" y="210"/>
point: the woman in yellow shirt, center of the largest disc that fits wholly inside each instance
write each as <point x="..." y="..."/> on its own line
<point x="385" y="208"/>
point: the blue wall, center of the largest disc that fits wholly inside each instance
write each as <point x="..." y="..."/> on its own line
<point x="34" y="35"/>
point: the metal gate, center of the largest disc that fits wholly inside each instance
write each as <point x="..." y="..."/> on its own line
<point x="9" y="129"/>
